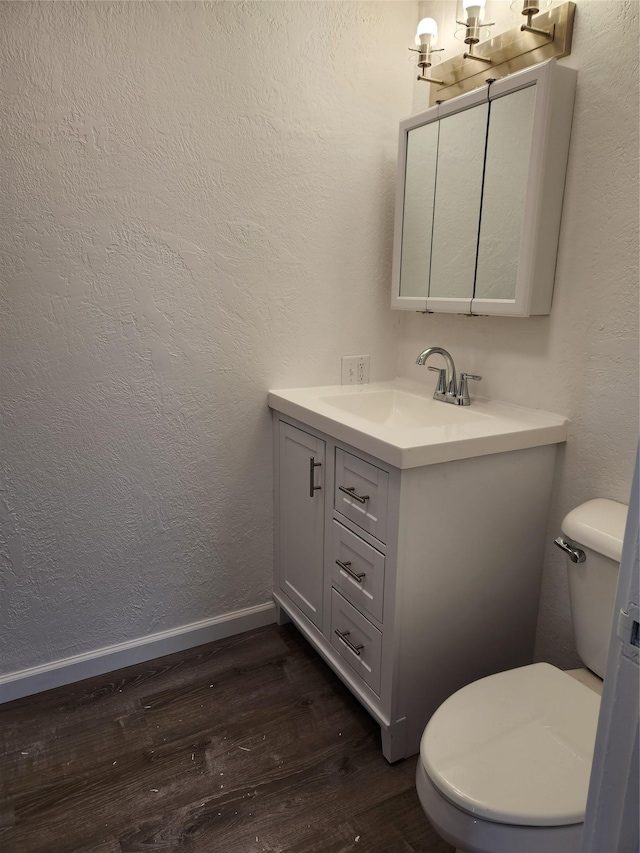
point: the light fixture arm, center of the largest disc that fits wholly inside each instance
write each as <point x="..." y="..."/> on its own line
<point x="531" y="8"/>
<point x="424" y="62"/>
<point x="469" y="54"/>
<point x="473" y="26"/>
<point x="527" y="28"/>
<point x="429" y="79"/>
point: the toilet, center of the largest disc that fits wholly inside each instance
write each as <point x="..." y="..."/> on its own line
<point x="504" y="763"/>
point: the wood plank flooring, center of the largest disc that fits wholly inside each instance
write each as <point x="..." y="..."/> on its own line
<point x="245" y="745"/>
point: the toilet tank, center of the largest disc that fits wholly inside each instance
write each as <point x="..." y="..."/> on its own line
<point x="597" y="529"/>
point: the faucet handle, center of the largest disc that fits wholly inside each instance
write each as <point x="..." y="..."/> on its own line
<point x="463" y="393"/>
<point x="441" y="387"/>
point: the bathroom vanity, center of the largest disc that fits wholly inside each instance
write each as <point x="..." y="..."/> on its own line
<point x="409" y="538"/>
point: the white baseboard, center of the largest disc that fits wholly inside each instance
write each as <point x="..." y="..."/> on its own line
<point x="35" y="679"/>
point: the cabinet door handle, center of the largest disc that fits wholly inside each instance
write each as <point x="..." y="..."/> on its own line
<point x="357" y="576"/>
<point x="312" y="465"/>
<point x="343" y="635"/>
<point x="351" y="491"/>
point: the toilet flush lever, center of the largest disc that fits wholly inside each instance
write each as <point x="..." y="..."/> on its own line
<point x="575" y="554"/>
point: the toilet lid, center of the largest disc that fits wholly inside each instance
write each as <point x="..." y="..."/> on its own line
<point x="515" y="747"/>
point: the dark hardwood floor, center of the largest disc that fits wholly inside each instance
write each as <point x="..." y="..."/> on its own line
<point x="247" y="744"/>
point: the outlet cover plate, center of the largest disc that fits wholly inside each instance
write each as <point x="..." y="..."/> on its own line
<point x="355" y="369"/>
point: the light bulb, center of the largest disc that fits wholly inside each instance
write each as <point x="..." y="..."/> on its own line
<point x="427" y="32"/>
<point x="473" y="8"/>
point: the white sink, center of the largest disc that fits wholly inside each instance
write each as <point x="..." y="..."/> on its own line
<point x="400" y="423"/>
<point x="394" y="407"/>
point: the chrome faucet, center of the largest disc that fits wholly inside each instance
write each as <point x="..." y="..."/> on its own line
<point x="447" y="389"/>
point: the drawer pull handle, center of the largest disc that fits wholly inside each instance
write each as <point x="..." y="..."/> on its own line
<point x="343" y="635"/>
<point x="351" y="491"/>
<point x="357" y="576"/>
<point x="312" y="466"/>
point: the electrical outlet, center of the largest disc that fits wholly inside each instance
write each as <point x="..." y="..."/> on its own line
<point x="362" y="370"/>
<point x="355" y="369"/>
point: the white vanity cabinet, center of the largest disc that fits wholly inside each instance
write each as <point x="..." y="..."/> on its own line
<point x="410" y="583"/>
<point x="479" y="197"/>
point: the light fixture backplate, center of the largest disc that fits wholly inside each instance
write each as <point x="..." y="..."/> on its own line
<point x="508" y="52"/>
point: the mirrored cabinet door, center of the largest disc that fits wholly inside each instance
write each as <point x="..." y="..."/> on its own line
<point x="417" y="221"/>
<point x="505" y="184"/>
<point x="457" y="204"/>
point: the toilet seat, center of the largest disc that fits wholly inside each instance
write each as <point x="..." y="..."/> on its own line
<point x="475" y="835"/>
<point x="516" y="747"/>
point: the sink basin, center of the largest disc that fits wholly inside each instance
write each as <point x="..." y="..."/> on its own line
<point x="397" y="408"/>
<point x="400" y="423"/>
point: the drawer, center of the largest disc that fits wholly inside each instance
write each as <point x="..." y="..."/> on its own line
<point x="361" y="647"/>
<point x="360" y="578"/>
<point x="369" y="485"/>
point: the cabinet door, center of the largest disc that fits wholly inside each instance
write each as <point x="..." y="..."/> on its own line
<point x="301" y="524"/>
<point x="505" y="187"/>
<point x="417" y="218"/>
<point x="456" y="214"/>
<point x="526" y="160"/>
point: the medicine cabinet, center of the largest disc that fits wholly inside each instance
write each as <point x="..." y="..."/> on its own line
<point x="479" y="197"/>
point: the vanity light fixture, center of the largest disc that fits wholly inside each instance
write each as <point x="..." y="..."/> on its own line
<point x="530" y="8"/>
<point x="501" y="54"/>
<point x="473" y="26"/>
<point x="426" y="38"/>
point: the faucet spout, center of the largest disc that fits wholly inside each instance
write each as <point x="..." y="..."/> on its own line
<point x="451" y="383"/>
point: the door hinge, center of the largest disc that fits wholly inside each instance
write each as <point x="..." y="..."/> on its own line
<point x="629" y="625"/>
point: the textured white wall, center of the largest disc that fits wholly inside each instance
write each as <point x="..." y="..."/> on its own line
<point x="198" y="206"/>
<point x="582" y="360"/>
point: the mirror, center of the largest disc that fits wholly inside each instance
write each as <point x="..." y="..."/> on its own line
<point x="505" y="184"/>
<point x="457" y="203"/>
<point x="417" y="221"/>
